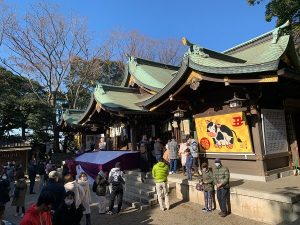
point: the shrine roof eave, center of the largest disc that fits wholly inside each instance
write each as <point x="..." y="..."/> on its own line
<point x="119" y="99"/>
<point x="213" y="75"/>
<point x="89" y="110"/>
<point x="149" y="74"/>
<point x="71" y="116"/>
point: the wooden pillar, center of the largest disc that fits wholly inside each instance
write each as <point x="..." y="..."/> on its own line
<point x="258" y="145"/>
<point x="133" y="137"/>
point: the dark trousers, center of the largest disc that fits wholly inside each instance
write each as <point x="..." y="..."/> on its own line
<point x="195" y="164"/>
<point x="116" y="193"/>
<point x="173" y="165"/>
<point x="189" y="172"/>
<point x="222" y="195"/>
<point x="31" y="185"/>
<point x="88" y="219"/>
<point x="18" y="209"/>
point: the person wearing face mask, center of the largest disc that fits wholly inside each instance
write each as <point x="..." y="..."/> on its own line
<point x="86" y="198"/>
<point x="20" y="190"/>
<point x="4" y="189"/>
<point x="40" y="214"/>
<point x="56" y="188"/>
<point x="207" y="181"/>
<point x="67" y="214"/>
<point x="221" y="180"/>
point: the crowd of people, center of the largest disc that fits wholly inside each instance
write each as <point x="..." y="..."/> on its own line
<point x="167" y="158"/>
<point x="63" y="199"/>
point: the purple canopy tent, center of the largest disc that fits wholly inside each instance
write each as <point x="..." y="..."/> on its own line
<point x="93" y="162"/>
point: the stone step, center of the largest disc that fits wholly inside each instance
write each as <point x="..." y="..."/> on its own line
<point x="131" y="202"/>
<point x="138" y="178"/>
<point x="139" y="191"/>
<point x="140" y="185"/>
<point x="137" y="173"/>
<point x="139" y="198"/>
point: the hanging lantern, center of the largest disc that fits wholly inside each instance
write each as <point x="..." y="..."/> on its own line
<point x="178" y="113"/>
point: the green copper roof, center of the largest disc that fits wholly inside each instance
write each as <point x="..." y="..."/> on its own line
<point x="71" y="116"/>
<point x="261" y="56"/>
<point x="149" y="74"/>
<point x="119" y="98"/>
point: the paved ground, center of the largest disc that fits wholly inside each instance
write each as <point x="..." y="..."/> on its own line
<point x="180" y="213"/>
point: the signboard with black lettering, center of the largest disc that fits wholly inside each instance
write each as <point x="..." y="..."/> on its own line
<point x="274" y="131"/>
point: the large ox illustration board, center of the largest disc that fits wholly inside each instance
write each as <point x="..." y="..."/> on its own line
<point x="228" y="133"/>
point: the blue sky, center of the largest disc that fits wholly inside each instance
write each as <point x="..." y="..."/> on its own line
<point x="214" y="24"/>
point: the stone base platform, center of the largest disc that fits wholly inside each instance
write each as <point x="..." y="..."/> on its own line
<point x="273" y="202"/>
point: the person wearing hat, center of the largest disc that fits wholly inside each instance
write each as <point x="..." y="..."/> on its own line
<point x="100" y="189"/>
<point x="221" y="180"/>
<point x="56" y="188"/>
<point x="160" y="172"/>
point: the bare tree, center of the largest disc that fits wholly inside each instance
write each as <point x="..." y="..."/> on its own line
<point x="169" y="51"/>
<point x="40" y="47"/>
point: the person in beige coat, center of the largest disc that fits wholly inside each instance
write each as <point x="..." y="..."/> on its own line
<point x="19" y="193"/>
<point x="86" y="198"/>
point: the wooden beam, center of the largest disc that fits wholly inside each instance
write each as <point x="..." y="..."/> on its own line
<point x="227" y="80"/>
<point x="288" y="74"/>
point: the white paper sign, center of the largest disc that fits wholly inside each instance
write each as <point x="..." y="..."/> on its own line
<point x="274" y="131"/>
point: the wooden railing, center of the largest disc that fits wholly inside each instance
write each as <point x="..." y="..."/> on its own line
<point x="13" y="143"/>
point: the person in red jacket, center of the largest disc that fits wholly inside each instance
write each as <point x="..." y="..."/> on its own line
<point x="40" y="214"/>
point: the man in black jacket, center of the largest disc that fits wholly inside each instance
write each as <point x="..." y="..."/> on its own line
<point x="32" y="170"/>
<point x="56" y="188"/>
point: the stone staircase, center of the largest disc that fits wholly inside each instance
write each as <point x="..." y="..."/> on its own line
<point x="140" y="195"/>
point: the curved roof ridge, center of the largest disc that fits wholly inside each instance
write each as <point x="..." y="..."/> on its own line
<point x="110" y="87"/>
<point x="260" y="37"/>
<point x="151" y="63"/>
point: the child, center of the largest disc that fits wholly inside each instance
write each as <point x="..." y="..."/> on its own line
<point x="189" y="163"/>
<point x="207" y="181"/>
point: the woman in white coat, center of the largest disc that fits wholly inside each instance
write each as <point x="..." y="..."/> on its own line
<point x="86" y="198"/>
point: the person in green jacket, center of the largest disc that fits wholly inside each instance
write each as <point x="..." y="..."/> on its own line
<point x="207" y="180"/>
<point x="221" y="180"/>
<point x="160" y="174"/>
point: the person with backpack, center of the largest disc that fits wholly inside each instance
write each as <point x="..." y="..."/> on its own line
<point x="99" y="187"/>
<point x="116" y="179"/>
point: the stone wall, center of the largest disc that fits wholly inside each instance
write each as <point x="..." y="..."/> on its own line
<point x="265" y="207"/>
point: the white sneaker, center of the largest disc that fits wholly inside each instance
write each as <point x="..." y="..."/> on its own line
<point x="170" y="173"/>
